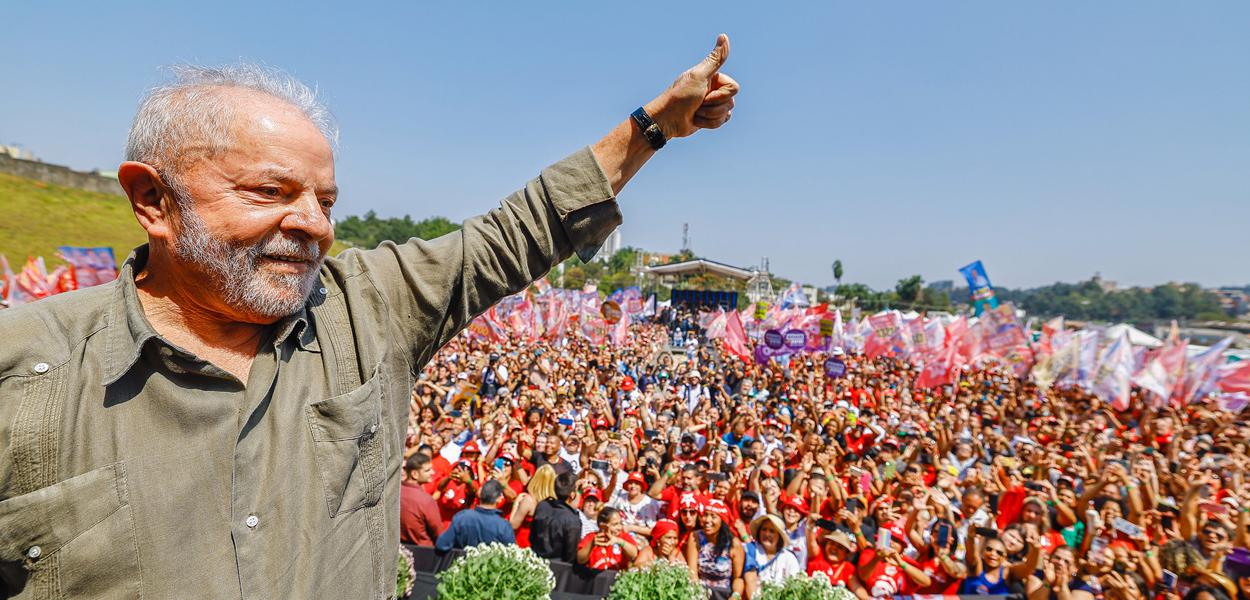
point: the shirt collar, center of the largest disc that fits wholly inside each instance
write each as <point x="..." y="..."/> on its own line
<point x="128" y="327"/>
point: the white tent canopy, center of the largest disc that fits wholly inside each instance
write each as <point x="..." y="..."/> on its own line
<point x="1136" y="336"/>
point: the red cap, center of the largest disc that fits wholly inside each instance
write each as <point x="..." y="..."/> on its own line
<point x="592" y="493"/>
<point x="661" y="527"/>
<point x="627" y="384"/>
<point x="718" y="508"/>
<point x="471" y="446"/>
<point x="896" y="532"/>
<point x="796" y="501"/>
<point x="599" y="423"/>
<point x="636" y="478"/>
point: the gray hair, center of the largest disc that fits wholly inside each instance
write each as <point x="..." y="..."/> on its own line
<point x="191" y="111"/>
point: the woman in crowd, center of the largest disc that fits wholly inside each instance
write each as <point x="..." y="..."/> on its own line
<point x="987" y="557"/>
<point x="767" y="558"/>
<point x="541" y="487"/>
<point x="714" y="555"/>
<point x="611" y="547"/>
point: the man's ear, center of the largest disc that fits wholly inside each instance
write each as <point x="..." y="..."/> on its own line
<point x="147" y="195"/>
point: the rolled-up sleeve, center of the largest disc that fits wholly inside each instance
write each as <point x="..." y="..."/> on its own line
<point x="435" y="288"/>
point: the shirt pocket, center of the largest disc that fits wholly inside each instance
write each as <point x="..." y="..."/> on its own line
<point x="72" y="539"/>
<point x="347" y="443"/>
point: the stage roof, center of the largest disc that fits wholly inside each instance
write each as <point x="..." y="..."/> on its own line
<point x="700" y="266"/>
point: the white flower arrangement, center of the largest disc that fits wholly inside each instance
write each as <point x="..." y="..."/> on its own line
<point x="802" y="587"/>
<point x="493" y="571"/>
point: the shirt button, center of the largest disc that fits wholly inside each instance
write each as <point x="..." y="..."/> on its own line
<point x="252" y="520"/>
<point x="34" y="552"/>
<point x="40" y="368"/>
<point x="373" y="428"/>
<point x="323" y="291"/>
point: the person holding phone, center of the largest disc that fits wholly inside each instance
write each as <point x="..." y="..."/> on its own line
<point x="885" y="571"/>
<point x="936" y="559"/>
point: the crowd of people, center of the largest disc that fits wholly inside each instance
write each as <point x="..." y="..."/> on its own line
<point x="614" y="456"/>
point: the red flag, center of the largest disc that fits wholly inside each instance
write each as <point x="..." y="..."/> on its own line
<point x="736" y="337"/>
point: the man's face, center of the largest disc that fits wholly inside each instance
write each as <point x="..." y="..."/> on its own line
<point x="749" y="507"/>
<point x="259" y="225"/>
<point x="425" y="474"/>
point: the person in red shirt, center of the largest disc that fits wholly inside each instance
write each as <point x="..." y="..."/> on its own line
<point x="936" y="560"/>
<point x="419" y="518"/>
<point x="886" y="572"/>
<point x="456" y="491"/>
<point x="834" y="559"/>
<point x="609" y="548"/>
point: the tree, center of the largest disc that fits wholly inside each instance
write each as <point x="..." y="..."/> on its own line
<point x="837" y="272"/>
<point x="908" y="289"/>
<point x="369" y="231"/>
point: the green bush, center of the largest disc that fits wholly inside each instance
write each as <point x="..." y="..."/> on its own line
<point x="497" y="572"/>
<point x="802" y="587"/>
<point x="660" y="580"/>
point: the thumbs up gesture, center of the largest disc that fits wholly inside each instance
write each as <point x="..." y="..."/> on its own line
<point x="701" y="98"/>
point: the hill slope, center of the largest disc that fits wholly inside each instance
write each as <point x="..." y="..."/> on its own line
<point x="36" y="217"/>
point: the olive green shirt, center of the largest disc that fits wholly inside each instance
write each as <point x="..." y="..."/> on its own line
<point x="131" y="468"/>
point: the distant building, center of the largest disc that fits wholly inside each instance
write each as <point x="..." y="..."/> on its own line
<point x="610" y="246"/>
<point x="17" y="152"/>
<point x="1233" y="301"/>
<point x="1107" y="286"/>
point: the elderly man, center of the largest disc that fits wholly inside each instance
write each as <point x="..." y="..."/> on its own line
<point x="227" y="418"/>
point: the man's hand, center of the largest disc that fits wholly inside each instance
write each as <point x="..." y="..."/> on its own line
<point x="701" y="98"/>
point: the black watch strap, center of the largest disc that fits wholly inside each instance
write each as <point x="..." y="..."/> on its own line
<point x="649" y="129"/>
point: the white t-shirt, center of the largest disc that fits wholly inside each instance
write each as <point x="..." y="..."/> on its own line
<point x="784" y="564"/>
<point x="645" y="513"/>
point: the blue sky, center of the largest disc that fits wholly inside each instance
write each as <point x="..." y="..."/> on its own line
<point x="1051" y="140"/>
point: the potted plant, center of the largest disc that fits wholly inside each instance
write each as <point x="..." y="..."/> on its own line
<point x="495" y="571"/>
<point x="802" y="587"/>
<point x="660" y="580"/>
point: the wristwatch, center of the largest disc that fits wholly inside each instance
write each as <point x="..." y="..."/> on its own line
<point x="649" y="129"/>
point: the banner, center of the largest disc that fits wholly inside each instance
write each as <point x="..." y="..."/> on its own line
<point x="979" y="288"/>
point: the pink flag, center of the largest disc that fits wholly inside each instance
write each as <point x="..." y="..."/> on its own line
<point x="736" y="338"/>
<point x="1163" y="370"/>
<point x="1115" y="367"/>
<point x="1200" y="372"/>
<point x="620" y="333"/>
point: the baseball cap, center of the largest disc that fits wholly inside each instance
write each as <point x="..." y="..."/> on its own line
<point x="599" y="423"/>
<point x="636" y="478"/>
<point x="471" y="446"/>
<point x="795" y="501"/>
<point x="627" y="384"/>
<point x="592" y="493"/>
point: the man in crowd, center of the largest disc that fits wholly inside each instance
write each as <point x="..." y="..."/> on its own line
<point x="419" y="518"/>
<point x="481" y="524"/>
<point x="557" y="526"/>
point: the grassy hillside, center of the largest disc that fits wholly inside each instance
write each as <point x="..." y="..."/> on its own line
<point x="36" y="217"/>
